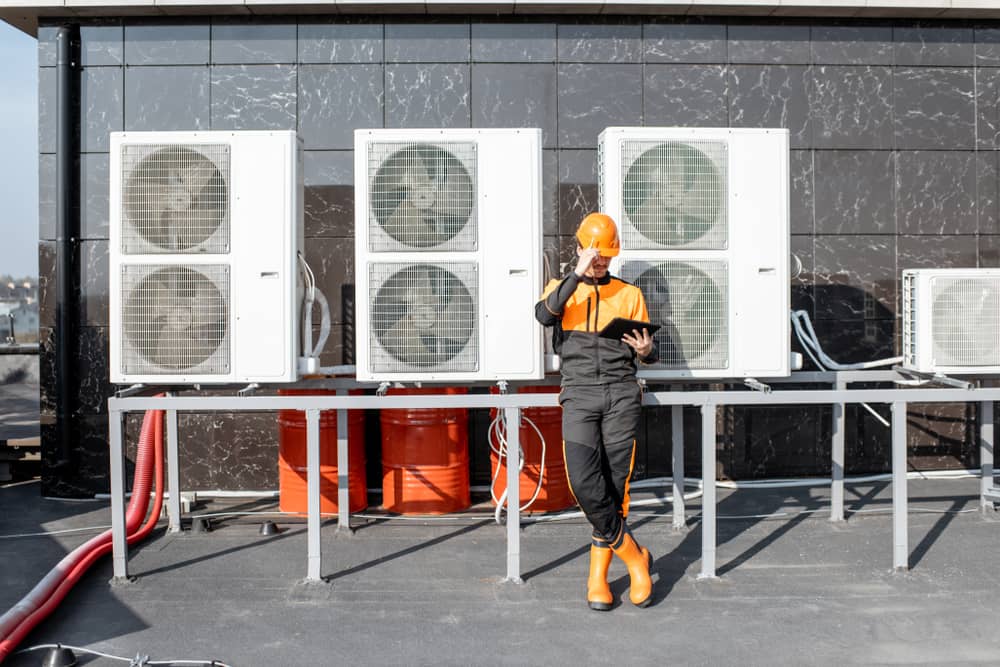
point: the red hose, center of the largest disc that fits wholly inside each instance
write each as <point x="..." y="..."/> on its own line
<point x="18" y="622"/>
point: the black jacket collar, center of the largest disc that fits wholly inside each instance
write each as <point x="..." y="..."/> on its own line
<point x="587" y="280"/>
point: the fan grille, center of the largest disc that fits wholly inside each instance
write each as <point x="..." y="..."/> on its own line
<point x="422" y="196"/>
<point x="423" y="317"/>
<point x="175" y="199"/>
<point x="966" y="316"/>
<point x="175" y="319"/>
<point x="690" y="300"/>
<point x="674" y="194"/>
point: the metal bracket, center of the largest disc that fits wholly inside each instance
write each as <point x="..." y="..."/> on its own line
<point x="383" y="387"/>
<point x="248" y="390"/>
<point x="502" y="384"/>
<point x="757" y="385"/>
<point x="130" y="391"/>
<point x="934" y="378"/>
<point x="992" y="494"/>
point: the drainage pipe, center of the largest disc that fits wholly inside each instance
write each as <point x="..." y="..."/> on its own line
<point x="67" y="232"/>
<point x="46" y="595"/>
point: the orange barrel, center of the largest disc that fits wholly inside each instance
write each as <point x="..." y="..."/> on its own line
<point x="292" y="483"/>
<point x="425" y="457"/>
<point x="555" y="493"/>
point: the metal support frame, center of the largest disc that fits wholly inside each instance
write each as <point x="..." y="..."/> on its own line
<point x="173" y="475"/>
<point x="677" y="457"/>
<point x="343" y="483"/>
<point x="708" y="498"/>
<point x="988" y="491"/>
<point x="512" y="404"/>
<point x="314" y="560"/>
<point x="837" y="455"/>
<point x="900" y="536"/>
<point x="513" y="419"/>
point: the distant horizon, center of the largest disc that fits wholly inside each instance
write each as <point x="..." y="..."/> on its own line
<point x="19" y="166"/>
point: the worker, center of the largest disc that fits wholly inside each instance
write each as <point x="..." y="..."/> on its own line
<point x="601" y="401"/>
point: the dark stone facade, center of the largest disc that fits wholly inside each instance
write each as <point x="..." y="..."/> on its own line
<point x="895" y="127"/>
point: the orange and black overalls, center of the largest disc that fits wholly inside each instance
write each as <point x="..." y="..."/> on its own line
<point x="600" y="396"/>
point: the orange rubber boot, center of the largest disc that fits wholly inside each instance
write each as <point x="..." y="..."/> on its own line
<point x="638" y="560"/>
<point x="598" y="592"/>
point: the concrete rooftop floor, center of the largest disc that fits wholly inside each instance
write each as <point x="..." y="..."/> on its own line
<point x="793" y="588"/>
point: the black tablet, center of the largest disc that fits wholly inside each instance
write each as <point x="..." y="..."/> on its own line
<point x="620" y="326"/>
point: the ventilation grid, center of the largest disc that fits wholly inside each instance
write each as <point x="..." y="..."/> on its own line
<point x="965" y="321"/>
<point x="423" y="317"/>
<point x="674" y="194"/>
<point x="175" y="319"/>
<point x="909" y="319"/>
<point x="691" y="301"/>
<point x="422" y="196"/>
<point x="175" y="199"/>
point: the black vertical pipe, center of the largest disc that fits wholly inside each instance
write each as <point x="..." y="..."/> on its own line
<point x="67" y="232"/>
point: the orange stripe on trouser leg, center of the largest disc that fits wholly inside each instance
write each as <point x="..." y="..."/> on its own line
<point x="628" y="481"/>
<point x="569" y="482"/>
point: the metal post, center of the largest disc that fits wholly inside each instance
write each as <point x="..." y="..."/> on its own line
<point x="677" y="454"/>
<point x="173" y="475"/>
<point x="343" y="478"/>
<point x="513" y="419"/>
<point x="708" y="491"/>
<point x="837" y="454"/>
<point x="312" y="496"/>
<point x="900" y="540"/>
<point x="119" y="542"/>
<point x="985" y="454"/>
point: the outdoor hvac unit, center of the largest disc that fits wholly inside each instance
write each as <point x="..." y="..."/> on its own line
<point x="448" y="254"/>
<point x="205" y="227"/>
<point x="951" y="320"/>
<point x="703" y="218"/>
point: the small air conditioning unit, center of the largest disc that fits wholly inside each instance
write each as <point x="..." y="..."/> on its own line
<point x="205" y="228"/>
<point x="951" y="320"/>
<point x="448" y="254"/>
<point x="703" y="217"/>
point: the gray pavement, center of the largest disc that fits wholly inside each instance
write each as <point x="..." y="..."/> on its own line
<point x="18" y="397"/>
<point x="793" y="587"/>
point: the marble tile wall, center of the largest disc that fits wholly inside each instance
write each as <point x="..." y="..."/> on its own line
<point x="895" y="128"/>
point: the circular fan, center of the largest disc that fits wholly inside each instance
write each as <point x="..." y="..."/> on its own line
<point x="965" y="316"/>
<point x="175" y="198"/>
<point x="422" y="195"/>
<point x="691" y="306"/>
<point x="175" y="318"/>
<point x="673" y="194"/>
<point x="423" y="315"/>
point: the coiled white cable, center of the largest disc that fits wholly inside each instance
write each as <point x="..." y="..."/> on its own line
<point x="498" y="427"/>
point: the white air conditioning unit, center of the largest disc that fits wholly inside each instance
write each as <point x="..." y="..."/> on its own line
<point x="703" y="217"/>
<point x="205" y="228"/>
<point x="951" y="320"/>
<point x="448" y="254"/>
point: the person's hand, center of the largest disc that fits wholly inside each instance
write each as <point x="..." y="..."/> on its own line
<point x="642" y="343"/>
<point x="587" y="256"/>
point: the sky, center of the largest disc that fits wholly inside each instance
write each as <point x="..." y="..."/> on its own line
<point x="18" y="152"/>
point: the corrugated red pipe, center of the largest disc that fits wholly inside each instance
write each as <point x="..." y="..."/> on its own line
<point x="49" y="592"/>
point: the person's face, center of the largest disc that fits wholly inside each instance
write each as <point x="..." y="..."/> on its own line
<point x="598" y="267"/>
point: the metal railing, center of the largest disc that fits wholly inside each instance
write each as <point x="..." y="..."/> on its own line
<point x="513" y="403"/>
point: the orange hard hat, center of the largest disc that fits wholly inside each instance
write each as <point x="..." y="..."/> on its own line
<point x="598" y="230"/>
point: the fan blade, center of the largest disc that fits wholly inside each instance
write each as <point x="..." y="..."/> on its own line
<point x="454" y="194"/>
<point x="408" y="225"/>
<point x="207" y="308"/>
<point x="402" y="340"/>
<point x="194" y="176"/>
